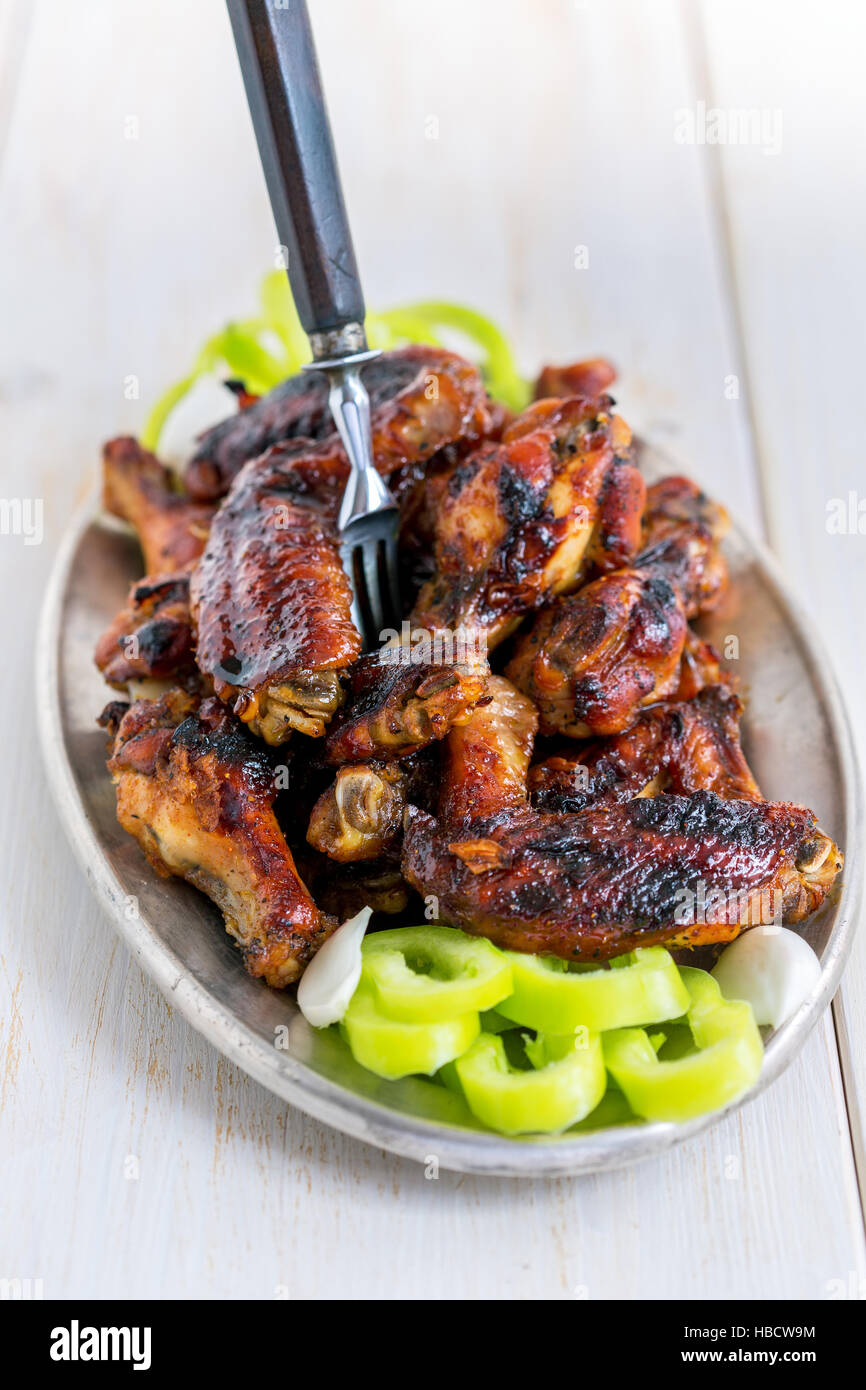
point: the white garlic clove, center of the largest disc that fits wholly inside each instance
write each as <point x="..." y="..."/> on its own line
<point x="772" y="968"/>
<point x="331" y="978"/>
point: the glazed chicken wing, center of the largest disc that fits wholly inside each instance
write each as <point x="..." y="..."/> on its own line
<point x="592" y="882"/>
<point x="270" y="599"/>
<point x="681" y="535"/>
<point x="487" y="758"/>
<point x="421" y="398"/>
<point x="272" y="604"/>
<point x="522" y="520"/>
<point x="594" y="659"/>
<point x="396" y="704"/>
<point x="686" y="747"/>
<point x="171" y="528"/>
<point x="591" y="378"/>
<point x="605" y="880"/>
<point x="152" y="638"/>
<point x="197" y="794"/>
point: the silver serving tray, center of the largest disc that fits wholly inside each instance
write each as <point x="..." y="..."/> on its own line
<point x="797" y="738"/>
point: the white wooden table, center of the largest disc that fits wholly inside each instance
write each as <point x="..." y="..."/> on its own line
<point x="727" y="283"/>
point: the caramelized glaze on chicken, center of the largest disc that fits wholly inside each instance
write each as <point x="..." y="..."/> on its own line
<point x="521" y="520"/>
<point x="152" y="637"/>
<point x="197" y="793"/>
<point x="136" y="487"/>
<point x="271" y="603"/>
<point x="421" y="399"/>
<point x="594" y="659"/>
<point x="396" y="705"/>
<point x="593" y="884"/>
<point x="410" y="768"/>
<point x="682" y="747"/>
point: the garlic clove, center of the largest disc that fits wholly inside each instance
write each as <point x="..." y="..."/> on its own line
<point x="774" y="969"/>
<point x="331" y="978"/>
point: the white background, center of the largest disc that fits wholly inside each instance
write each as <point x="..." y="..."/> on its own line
<point x="555" y="130"/>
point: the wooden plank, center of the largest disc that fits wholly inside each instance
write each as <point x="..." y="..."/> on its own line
<point x="161" y="1169"/>
<point x="797" y="221"/>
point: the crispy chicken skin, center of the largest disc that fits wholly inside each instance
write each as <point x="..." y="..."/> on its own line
<point x="270" y="598"/>
<point x="684" y="747"/>
<point x="271" y="603"/>
<point x="197" y="793"/>
<point x="171" y="528"/>
<point x="152" y="637"/>
<point x="486" y="759"/>
<point x="394" y="707"/>
<point x="594" y="659"/>
<point x="591" y="885"/>
<point x="591" y="378"/>
<point x="521" y="520"/>
<point x="411" y="767"/>
<point x="681" y="535"/>
<point x="421" y="398"/>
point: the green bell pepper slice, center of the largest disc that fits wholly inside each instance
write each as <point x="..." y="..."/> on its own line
<point x="725" y="1062"/>
<point x="642" y="987"/>
<point x="427" y="974"/>
<point x="565" y="1082"/>
<point x="392" y="1049"/>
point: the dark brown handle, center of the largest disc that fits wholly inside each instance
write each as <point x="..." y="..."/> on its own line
<point x="284" y="91"/>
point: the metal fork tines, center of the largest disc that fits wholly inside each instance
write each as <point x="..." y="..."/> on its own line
<point x="368" y="514"/>
<point x="369" y="553"/>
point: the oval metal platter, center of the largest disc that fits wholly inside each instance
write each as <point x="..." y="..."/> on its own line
<point x="796" y="736"/>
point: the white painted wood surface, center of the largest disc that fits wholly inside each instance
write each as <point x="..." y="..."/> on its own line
<point x="136" y="1161"/>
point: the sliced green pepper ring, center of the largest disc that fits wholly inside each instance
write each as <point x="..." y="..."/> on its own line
<point x="642" y="987"/>
<point x="392" y="1049"/>
<point x="566" y="1081"/>
<point x="726" y="1062"/>
<point x="426" y="974"/>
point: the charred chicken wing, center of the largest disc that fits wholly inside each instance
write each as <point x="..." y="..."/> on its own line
<point x="171" y="528"/>
<point x="396" y="704"/>
<point x="594" y="659"/>
<point x="412" y="766"/>
<point x="197" y="793"/>
<point x="421" y="398"/>
<point x="522" y="520"/>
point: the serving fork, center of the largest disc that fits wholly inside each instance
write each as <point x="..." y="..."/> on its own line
<point x="284" y="91"/>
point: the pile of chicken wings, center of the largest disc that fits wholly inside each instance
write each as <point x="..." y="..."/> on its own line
<point x="547" y="754"/>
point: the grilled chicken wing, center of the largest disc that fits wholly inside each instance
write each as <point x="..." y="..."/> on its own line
<point x="521" y="520"/>
<point x="591" y="378"/>
<point x="592" y="885"/>
<point x="271" y="603"/>
<point x="197" y="794"/>
<point x="360" y="814"/>
<point x="682" y="531"/>
<point x="395" y="706"/>
<point x="270" y="599"/>
<point x="600" y="879"/>
<point x="594" y="659"/>
<point x="685" y="747"/>
<point x="487" y="758"/>
<point x="171" y="528"/>
<point x="152" y="638"/>
<point x="421" y="398"/>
